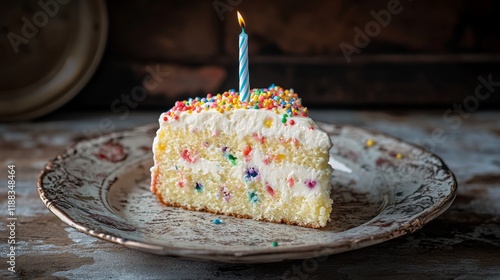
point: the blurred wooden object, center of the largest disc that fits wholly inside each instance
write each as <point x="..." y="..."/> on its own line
<point x="49" y="52"/>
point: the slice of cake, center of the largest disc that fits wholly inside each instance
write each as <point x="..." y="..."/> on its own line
<point x="264" y="159"/>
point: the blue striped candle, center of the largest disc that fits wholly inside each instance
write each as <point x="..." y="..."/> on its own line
<point x="243" y="62"/>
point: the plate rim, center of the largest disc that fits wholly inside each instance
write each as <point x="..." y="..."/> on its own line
<point x="260" y="255"/>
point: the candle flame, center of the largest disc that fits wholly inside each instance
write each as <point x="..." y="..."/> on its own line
<point x="240" y="20"/>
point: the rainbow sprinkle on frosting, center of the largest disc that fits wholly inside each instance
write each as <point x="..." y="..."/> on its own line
<point x="275" y="98"/>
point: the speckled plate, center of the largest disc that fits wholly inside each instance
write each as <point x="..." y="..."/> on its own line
<point x="101" y="188"/>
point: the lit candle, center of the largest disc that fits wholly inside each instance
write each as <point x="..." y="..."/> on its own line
<point x="243" y="74"/>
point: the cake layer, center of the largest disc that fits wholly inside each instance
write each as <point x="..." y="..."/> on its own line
<point x="206" y="193"/>
<point x="203" y="143"/>
<point x="273" y="179"/>
<point x="206" y="158"/>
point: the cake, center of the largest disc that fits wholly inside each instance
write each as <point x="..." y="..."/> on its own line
<point x="264" y="159"/>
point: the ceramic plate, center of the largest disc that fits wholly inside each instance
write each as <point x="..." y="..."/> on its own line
<point x="101" y="188"/>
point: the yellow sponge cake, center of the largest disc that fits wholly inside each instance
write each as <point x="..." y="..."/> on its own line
<point x="263" y="159"/>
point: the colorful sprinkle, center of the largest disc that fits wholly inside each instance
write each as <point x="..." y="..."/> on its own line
<point x="226" y="194"/>
<point x="247" y="150"/>
<point x="198" y="187"/>
<point x="283" y="118"/>
<point x="259" y="138"/>
<point x="370" y="143"/>
<point x="218" y="221"/>
<point x="268" y="122"/>
<point x="269" y="190"/>
<point x="251" y="173"/>
<point x="232" y="159"/>
<point x="399" y="156"/>
<point x="266" y="161"/>
<point x="310" y="183"/>
<point x="279" y="158"/>
<point x="229" y="156"/>
<point x="253" y="197"/>
<point x="246" y="153"/>
<point x="187" y="156"/>
<point x="274" y="244"/>
<point x="291" y="182"/>
<point x="274" y="98"/>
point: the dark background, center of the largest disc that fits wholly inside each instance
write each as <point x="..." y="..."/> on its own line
<point x="429" y="55"/>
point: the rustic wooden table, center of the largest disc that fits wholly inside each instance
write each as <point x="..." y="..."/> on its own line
<point x="462" y="243"/>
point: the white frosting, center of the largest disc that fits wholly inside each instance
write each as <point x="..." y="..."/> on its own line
<point x="249" y="121"/>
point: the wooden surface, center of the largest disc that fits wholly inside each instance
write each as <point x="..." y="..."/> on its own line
<point x="463" y="243"/>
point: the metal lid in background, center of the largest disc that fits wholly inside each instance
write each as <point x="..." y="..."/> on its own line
<point x="48" y="52"/>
